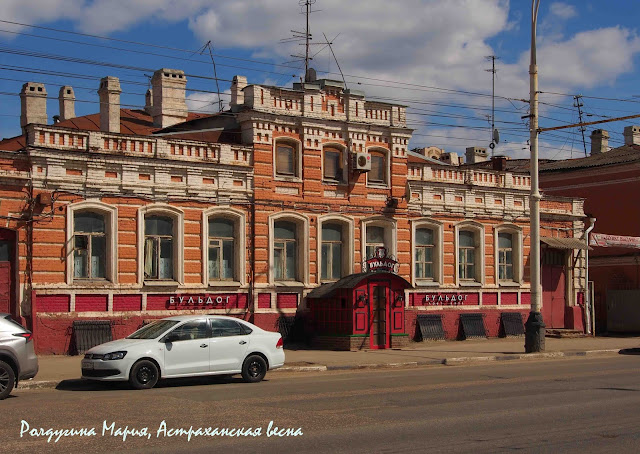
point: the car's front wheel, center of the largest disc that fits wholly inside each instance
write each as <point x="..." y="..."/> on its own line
<point x="7" y="379"/>
<point x="144" y="375"/>
<point x="254" y="369"/>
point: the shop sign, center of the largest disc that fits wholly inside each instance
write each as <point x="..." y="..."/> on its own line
<point x="199" y="300"/>
<point x="444" y="299"/>
<point x="604" y="240"/>
<point x="381" y="262"/>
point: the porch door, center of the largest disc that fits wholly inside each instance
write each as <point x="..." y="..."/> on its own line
<point x="379" y="304"/>
<point x="553" y="288"/>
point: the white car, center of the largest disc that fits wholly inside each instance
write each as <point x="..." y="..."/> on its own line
<point x="186" y="346"/>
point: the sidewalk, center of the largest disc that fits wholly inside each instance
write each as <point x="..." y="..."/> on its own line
<point x="54" y="369"/>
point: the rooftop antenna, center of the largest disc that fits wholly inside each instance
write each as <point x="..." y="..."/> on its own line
<point x="335" y="58"/>
<point x="215" y="72"/>
<point x="579" y="105"/>
<point x="305" y="6"/>
<point x="495" y="135"/>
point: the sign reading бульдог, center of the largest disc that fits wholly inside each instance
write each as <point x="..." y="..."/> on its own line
<point x="111" y="429"/>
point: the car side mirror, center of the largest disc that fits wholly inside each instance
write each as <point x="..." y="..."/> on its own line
<point x="171" y="337"/>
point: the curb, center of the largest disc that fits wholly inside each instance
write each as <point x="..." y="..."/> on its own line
<point x="49" y="384"/>
<point x="526" y="356"/>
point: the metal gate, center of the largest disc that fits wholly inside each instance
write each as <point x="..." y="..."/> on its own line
<point x="623" y="311"/>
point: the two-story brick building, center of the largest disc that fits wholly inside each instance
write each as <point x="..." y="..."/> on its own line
<point x="270" y="208"/>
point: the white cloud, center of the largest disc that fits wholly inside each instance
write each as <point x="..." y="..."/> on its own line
<point x="563" y="10"/>
<point x="206" y="102"/>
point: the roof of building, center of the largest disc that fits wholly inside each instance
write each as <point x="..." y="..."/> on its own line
<point x="418" y="158"/>
<point x="350" y="281"/>
<point x="139" y="122"/>
<point x="621" y="155"/>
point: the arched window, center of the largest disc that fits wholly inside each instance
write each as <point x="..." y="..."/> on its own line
<point x="505" y="257"/>
<point x="332" y="250"/>
<point x="286" y="161"/>
<point x="222" y="249"/>
<point x="158" y="247"/>
<point x="466" y="255"/>
<point x="508" y="238"/>
<point x="375" y="238"/>
<point x="89" y="246"/>
<point x="424" y="254"/>
<point x="379" y="168"/>
<point x="285" y="251"/>
<point x="333" y="168"/>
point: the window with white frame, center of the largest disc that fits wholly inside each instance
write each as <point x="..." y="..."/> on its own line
<point x="424" y="251"/>
<point x="222" y="250"/>
<point x="508" y="254"/>
<point x="332" y="165"/>
<point x="158" y="248"/>
<point x="332" y="251"/>
<point x="285" y="254"/>
<point x="286" y="160"/>
<point x="89" y="245"/>
<point x="375" y="238"/>
<point x="505" y="256"/>
<point x="379" y="168"/>
<point x="91" y="239"/>
<point x="467" y="255"/>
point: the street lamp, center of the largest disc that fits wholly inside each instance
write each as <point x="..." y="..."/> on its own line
<point x="534" y="327"/>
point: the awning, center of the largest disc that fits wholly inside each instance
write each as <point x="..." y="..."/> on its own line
<point x="564" y="243"/>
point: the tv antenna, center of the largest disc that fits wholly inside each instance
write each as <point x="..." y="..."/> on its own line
<point x="215" y="72"/>
<point x="495" y="135"/>
<point x="306" y="36"/>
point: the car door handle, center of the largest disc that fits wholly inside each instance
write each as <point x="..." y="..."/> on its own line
<point x="203" y="345"/>
<point x="242" y="342"/>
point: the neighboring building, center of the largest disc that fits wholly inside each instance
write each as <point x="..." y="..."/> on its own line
<point x="271" y="208"/>
<point x="609" y="181"/>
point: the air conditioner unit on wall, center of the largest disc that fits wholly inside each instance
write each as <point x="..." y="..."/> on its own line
<point x="361" y="162"/>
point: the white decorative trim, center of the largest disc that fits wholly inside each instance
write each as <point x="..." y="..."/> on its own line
<point x="348" y="241"/>
<point x="302" y="229"/>
<point x="240" y="249"/>
<point x="438" y="241"/>
<point x="111" y="232"/>
<point x="178" y="239"/>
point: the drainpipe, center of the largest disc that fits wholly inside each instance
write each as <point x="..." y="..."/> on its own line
<point x="587" y="294"/>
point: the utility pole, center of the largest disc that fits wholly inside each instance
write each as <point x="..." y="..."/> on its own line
<point x="579" y="105"/>
<point x="492" y="145"/>
<point x="534" y="327"/>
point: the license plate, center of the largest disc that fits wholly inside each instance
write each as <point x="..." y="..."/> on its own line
<point x="87" y="365"/>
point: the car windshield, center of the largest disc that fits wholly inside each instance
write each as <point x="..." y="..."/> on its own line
<point x="153" y="329"/>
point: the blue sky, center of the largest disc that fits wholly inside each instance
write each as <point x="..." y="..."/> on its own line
<point x="426" y="54"/>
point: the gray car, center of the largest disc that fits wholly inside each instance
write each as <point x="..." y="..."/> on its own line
<point x="18" y="360"/>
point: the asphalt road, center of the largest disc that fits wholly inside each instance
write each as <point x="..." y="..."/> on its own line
<point x="576" y="405"/>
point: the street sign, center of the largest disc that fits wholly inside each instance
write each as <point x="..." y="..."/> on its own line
<point x="604" y="240"/>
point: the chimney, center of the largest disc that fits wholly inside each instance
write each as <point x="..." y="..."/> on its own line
<point x="33" y="100"/>
<point x="237" y="95"/>
<point x="109" y="92"/>
<point x="67" y="100"/>
<point x="632" y="135"/>
<point x="599" y="141"/>
<point x="169" y="105"/>
<point x="148" y="101"/>
<point x="499" y="163"/>
<point x="475" y="154"/>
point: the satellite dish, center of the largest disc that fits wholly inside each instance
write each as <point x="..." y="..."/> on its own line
<point x="496" y="136"/>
